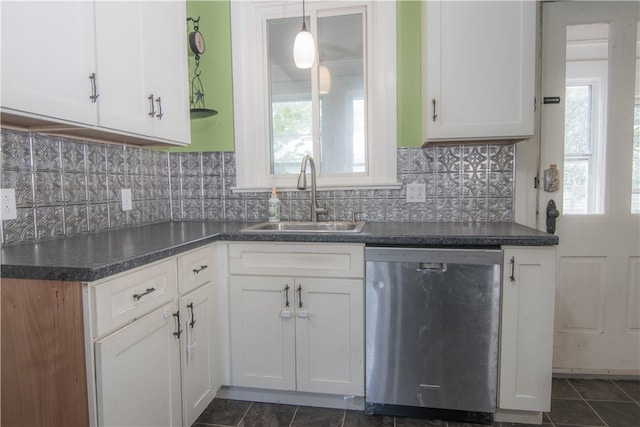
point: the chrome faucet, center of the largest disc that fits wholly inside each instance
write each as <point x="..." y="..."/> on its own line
<point x="302" y="185"/>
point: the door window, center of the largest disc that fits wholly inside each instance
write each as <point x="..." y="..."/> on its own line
<point x="585" y="119"/>
<point x="635" y="176"/>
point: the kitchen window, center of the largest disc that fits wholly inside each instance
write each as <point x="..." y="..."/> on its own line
<point x="342" y="111"/>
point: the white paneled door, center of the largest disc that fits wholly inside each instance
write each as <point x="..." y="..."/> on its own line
<point x="590" y="129"/>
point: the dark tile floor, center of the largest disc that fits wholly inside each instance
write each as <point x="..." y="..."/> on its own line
<point x="574" y="402"/>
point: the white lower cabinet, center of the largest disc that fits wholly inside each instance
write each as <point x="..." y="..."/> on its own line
<point x="138" y="372"/>
<point x="314" y="345"/>
<point x="297" y="333"/>
<point x="198" y="361"/>
<point x="262" y="333"/>
<point x="153" y="343"/>
<point x="526" y="338"/>
<point x="330" y="336"/>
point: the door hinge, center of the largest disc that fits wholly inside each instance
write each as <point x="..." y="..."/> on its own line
<point x="536" y="182"/>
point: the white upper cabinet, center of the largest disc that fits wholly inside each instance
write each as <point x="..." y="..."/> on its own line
<point x="142" y="81"/>
<point x="479" y="69"/>
<point x="97" y="69"/>
<point x="166" y="76"/>
<point x="40" y="77"/>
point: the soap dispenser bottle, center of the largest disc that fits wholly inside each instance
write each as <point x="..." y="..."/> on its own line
<point x="274" y="206"/>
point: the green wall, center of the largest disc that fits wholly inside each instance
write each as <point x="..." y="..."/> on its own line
<point x="216" y="133"/>
<point x="409" y="69"/>
<point x="213" y="133"/>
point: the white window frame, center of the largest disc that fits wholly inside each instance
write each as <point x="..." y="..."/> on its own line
<point x="250" y="88"/>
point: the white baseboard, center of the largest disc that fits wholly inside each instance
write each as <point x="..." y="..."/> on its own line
<point x="520" y="417"/>
<point x="355" y="403"/>
<point x="629" y="374"/>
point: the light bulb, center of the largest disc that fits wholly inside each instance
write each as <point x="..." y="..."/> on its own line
<point x="304" y="49"/>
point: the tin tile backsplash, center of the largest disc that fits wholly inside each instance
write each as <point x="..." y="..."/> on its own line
<point x="66" y="187"/>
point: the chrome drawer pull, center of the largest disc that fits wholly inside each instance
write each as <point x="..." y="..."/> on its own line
<point x="136" y="297"/>
<point x="198" y="270"/>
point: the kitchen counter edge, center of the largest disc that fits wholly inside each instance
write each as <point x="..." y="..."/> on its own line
<point x="91" y="257"/>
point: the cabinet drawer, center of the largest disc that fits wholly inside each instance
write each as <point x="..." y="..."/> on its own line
<point x="120" y="300"/>
<point x="312" y="259"/>
<point x="195" y="268"/>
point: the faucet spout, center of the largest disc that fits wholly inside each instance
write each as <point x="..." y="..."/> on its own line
<point x="302" y="185"/>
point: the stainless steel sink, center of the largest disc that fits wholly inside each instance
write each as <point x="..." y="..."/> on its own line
<point x="306" y="227"/>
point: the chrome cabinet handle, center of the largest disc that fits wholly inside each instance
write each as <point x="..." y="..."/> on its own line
<point x="299" y="290"/>
<point x="179" y="331"/>
<point x="193" y="318"/>
<point x="286" y="295"/>
<point x="152" y="114"/>
<point x="136" y="297"/>
<point x="434" y="116"/>
<point x="160" y="113"/>
<point x="512" y="261"/>
<point x="198" y="270"/>
<point x="94" y="88"/>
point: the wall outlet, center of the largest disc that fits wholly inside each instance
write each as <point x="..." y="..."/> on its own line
<point x="8" y="204"/>
<point x="127" y="205"/>
<point x="416" y="192"/>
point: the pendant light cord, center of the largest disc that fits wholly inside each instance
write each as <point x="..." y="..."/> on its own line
<point x="304" y="23"/>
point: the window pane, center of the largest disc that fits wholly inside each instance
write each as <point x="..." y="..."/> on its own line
<point x="575" y="186"/>
<point x="585" y="119"/>
<point x="341" y="83"/>
<point x="291" y="135"/>
<point x="577" y="133"/>
<point x="289" y="99"/>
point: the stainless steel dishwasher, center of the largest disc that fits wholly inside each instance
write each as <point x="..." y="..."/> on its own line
<point x="432" y="318"/>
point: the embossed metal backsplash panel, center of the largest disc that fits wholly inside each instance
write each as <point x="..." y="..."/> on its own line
<point x="66" y="187"/>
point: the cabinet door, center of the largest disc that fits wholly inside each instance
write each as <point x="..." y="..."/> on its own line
<point x="144" y="58"/>
<point x="330" y="336"/>
<point x="138" y="373"/>
<point x="262" y="334"/>
<point x="526" y="338"/>
<point x="48" y="54"/>
<point x="166" y="75"/>
<point x="200" y="379"/>
<point x="480" y="63"/>
<point x="121" y="70"/>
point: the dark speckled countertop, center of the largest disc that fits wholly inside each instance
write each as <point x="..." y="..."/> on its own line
<point x="94" y="256"/>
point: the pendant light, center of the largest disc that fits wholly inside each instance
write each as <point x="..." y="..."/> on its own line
<point x="304" y="48"/>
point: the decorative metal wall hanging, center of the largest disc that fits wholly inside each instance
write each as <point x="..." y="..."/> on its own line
<point x="197" y="46"/>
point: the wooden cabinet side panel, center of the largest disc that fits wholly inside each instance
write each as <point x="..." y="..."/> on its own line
<point x="43" y="358"/>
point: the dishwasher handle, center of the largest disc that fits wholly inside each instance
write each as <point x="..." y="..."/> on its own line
<point x="432" y="267"/>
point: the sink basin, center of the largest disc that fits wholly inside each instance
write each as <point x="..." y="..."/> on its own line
<point x="306" y="227"/>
